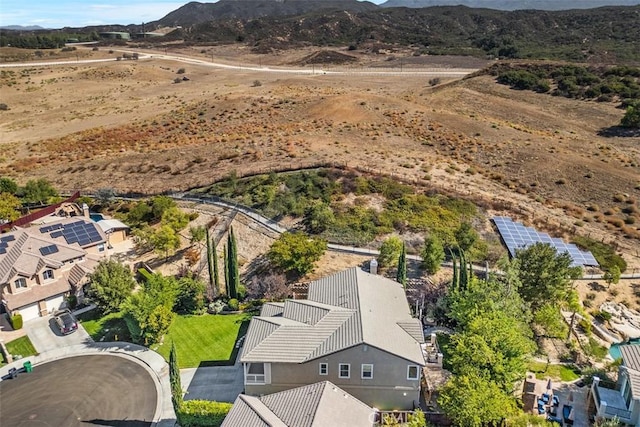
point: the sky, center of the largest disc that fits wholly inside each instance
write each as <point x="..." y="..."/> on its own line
<point x="78" y="13"/>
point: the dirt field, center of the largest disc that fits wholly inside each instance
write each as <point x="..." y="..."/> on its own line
<point x="128" y="125"/>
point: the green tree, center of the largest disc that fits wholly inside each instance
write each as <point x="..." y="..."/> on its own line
<point x="318" y="217"/>
<point x="174" y="378"/>
<point x="465" y="236"/>
<point x="631" y="118"/>
<point x="473" y="401"/>
<point x="197" y="235"/>
<point x="165" y="240"/>
<point x="174" y="218"/>
<point x="612" y="275"/>
<point x="544" y="274"/>
<point x="159" y="204"/>
<point x="296" y="252"/>
<point x="232" y="265"/>
<point x="401" y="275"/>
<point x="148" y="312"/>
<point x="9" y="205"/>
<point x="389" y="252"/>
<point x="225" y="262"/>
<point x="139" y="215"/>
<point x="190" y="298"/>
<point x="432" y="254"/>
<point x="110" y="284"/>
<point x="8" y="185"/>
<point x="550" y="319"/>
<point x="38" y="191"/>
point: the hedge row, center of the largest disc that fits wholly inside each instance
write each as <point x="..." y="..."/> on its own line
<point x="202" y="413"/>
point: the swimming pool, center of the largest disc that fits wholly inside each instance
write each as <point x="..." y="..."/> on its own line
<point x="95" y="217"/>
<point x="614" y="350"/>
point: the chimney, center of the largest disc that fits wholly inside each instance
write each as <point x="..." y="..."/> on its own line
<point x="85" y="210"/>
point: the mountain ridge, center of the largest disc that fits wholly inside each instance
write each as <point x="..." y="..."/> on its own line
<point x="512" y="4"/>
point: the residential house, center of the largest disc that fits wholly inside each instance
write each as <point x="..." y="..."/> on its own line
<point x="355" y="330"/>
<point x="322" y="404"/>
<point x="41" y="266"/>
<point x="623" y="401"/>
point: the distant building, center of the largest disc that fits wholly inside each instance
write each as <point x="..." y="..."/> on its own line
<point x="115" y="35"/>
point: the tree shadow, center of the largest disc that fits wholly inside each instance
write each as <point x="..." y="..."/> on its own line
<point x="119" y="423"/>
<point x="597" y="287"/>
<point x="620" y="132"/>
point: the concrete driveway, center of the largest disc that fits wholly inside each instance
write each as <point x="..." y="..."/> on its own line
<point x="220" y="383"/>
<point x="45" y="336"/>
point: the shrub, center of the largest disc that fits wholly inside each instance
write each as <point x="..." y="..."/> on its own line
<point x="16" y="321"/>
<point x="603" y="316"/>
<point x="202" y="413"/>
<point x="72" y="301"/>
<point x="256" y="83"/>
<point x="215" y="307"/>
<point x="233" y="304"/>
<point x="181" y="71"/>
<point x="4" y="107"/>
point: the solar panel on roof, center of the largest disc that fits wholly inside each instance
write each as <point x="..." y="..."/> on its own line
<point x="48" y="250"/>
<point x="56" y="234"/>
<point x="3" y="244"/>
<point x="3" y="251"/>
<point x="9" y="238"/>
<point x="517" y="236"/>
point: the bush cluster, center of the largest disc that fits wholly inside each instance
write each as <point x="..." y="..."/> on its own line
<point x="16" y="321"/>
<point x="202" y="413"/>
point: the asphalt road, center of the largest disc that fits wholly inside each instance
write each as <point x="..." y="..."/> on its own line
<point x="80" y="391"/>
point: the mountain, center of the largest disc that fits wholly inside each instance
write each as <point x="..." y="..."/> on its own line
<point x="195" y="12"/>
<point x="608" y="34"/>
<point x="22" y="27"/>
<point x="513" y="4"/>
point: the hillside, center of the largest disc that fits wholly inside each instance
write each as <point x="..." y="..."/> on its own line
<point x="609" y="35"/>
<point x="196" y="13"/>
<point x="513" y="4"/>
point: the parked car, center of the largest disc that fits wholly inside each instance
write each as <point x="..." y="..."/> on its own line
<point x="66" y="322"/>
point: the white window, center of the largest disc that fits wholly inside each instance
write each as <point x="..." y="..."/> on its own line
<point x="20" y="283"/>
<point x="47" y="274"/>
<point x="344" y="370"/>
<point x="101" y="247"/>
<point x="413" y="372"/>
<point x="367" y="371"/>
<point x="255" y="373"/>
<point x="324" y="369"/>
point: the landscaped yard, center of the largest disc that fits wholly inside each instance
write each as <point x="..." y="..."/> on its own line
<point x="204" y="338"/>
<point x="108" y="328"/>
<point x="555" y="372"/>
<point x="21" y="346"/>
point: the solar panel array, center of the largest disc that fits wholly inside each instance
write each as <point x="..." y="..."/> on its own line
<point x="517" y="236"/>
<point x="48" y="250"/>
<point x="4" y="243"/>
<point x="80" y="232"/>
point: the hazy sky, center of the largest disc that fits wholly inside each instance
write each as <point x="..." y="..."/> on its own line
<point x="78" y="13"/>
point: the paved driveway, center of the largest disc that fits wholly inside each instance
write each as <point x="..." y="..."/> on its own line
<point x="102" y="390"/>
<point x="45" y="335"/>
<point x="220" y="383"/>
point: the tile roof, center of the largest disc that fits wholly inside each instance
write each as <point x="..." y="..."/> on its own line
<point x="631" y="356"/>
<point x="272" y="309"/>
<point x="316" y="405"/>
<point x="36" y="293"/>
<point x="345" y="309"/>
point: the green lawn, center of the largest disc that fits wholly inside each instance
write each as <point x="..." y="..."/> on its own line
<point x="555" y="372"/>
<point x="108" y="328"/>
<point x="204" y="338"/>
<point x="21" y="346"/>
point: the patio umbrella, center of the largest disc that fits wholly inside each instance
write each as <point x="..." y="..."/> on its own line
<point x="570" y="398"/>
<point x="571" y="414"/>
<point x="549" y="387"/>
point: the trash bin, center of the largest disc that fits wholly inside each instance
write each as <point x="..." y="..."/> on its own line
<point x="27" y="366"/>
<point x="13" y="372"/>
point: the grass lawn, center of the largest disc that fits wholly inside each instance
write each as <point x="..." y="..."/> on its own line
<point x="21" y="346"/>
<point x="108" y="328"/>
<point x="204" y="338"/>
<point x="555" y="372"/>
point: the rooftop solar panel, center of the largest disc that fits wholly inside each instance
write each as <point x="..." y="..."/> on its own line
<point x="9" y="238"/>
<point x="48" y="250"/>
<point x="517" y="236"/>
<point x="3" y="244"/>
<point x="3" y="251"/>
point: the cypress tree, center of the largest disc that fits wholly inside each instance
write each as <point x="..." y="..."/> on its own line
<point x="174" y="379"/>
<point x="401" y="276"/>
<point x="226" y="271"/>
<point x="232" y="263"/>
<point x="456" y="278"/>
<point x="463" y="271"/>
<point x="216" y="279"/>
<point x="209" y="258"/>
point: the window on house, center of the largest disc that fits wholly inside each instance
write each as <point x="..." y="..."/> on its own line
<point x="255" y="373"/>
<point x="367" y="371"/>
<point x="413" y="372"/>
<point x="344" y="370"/>
<point x="20" y="283"/>
<point x="47" y="274"/>
<point x="324" y="369"/>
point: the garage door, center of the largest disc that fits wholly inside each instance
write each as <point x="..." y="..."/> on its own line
<point x="30" y="312"/>
<point x="55" y="303"/>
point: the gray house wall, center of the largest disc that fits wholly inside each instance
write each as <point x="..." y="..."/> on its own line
<point x="389" y="389"/>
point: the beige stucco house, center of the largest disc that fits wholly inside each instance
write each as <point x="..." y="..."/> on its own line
<point x="40" y="266"/>
<point x="355" y="330"/>
<point x="322" y="404"/>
